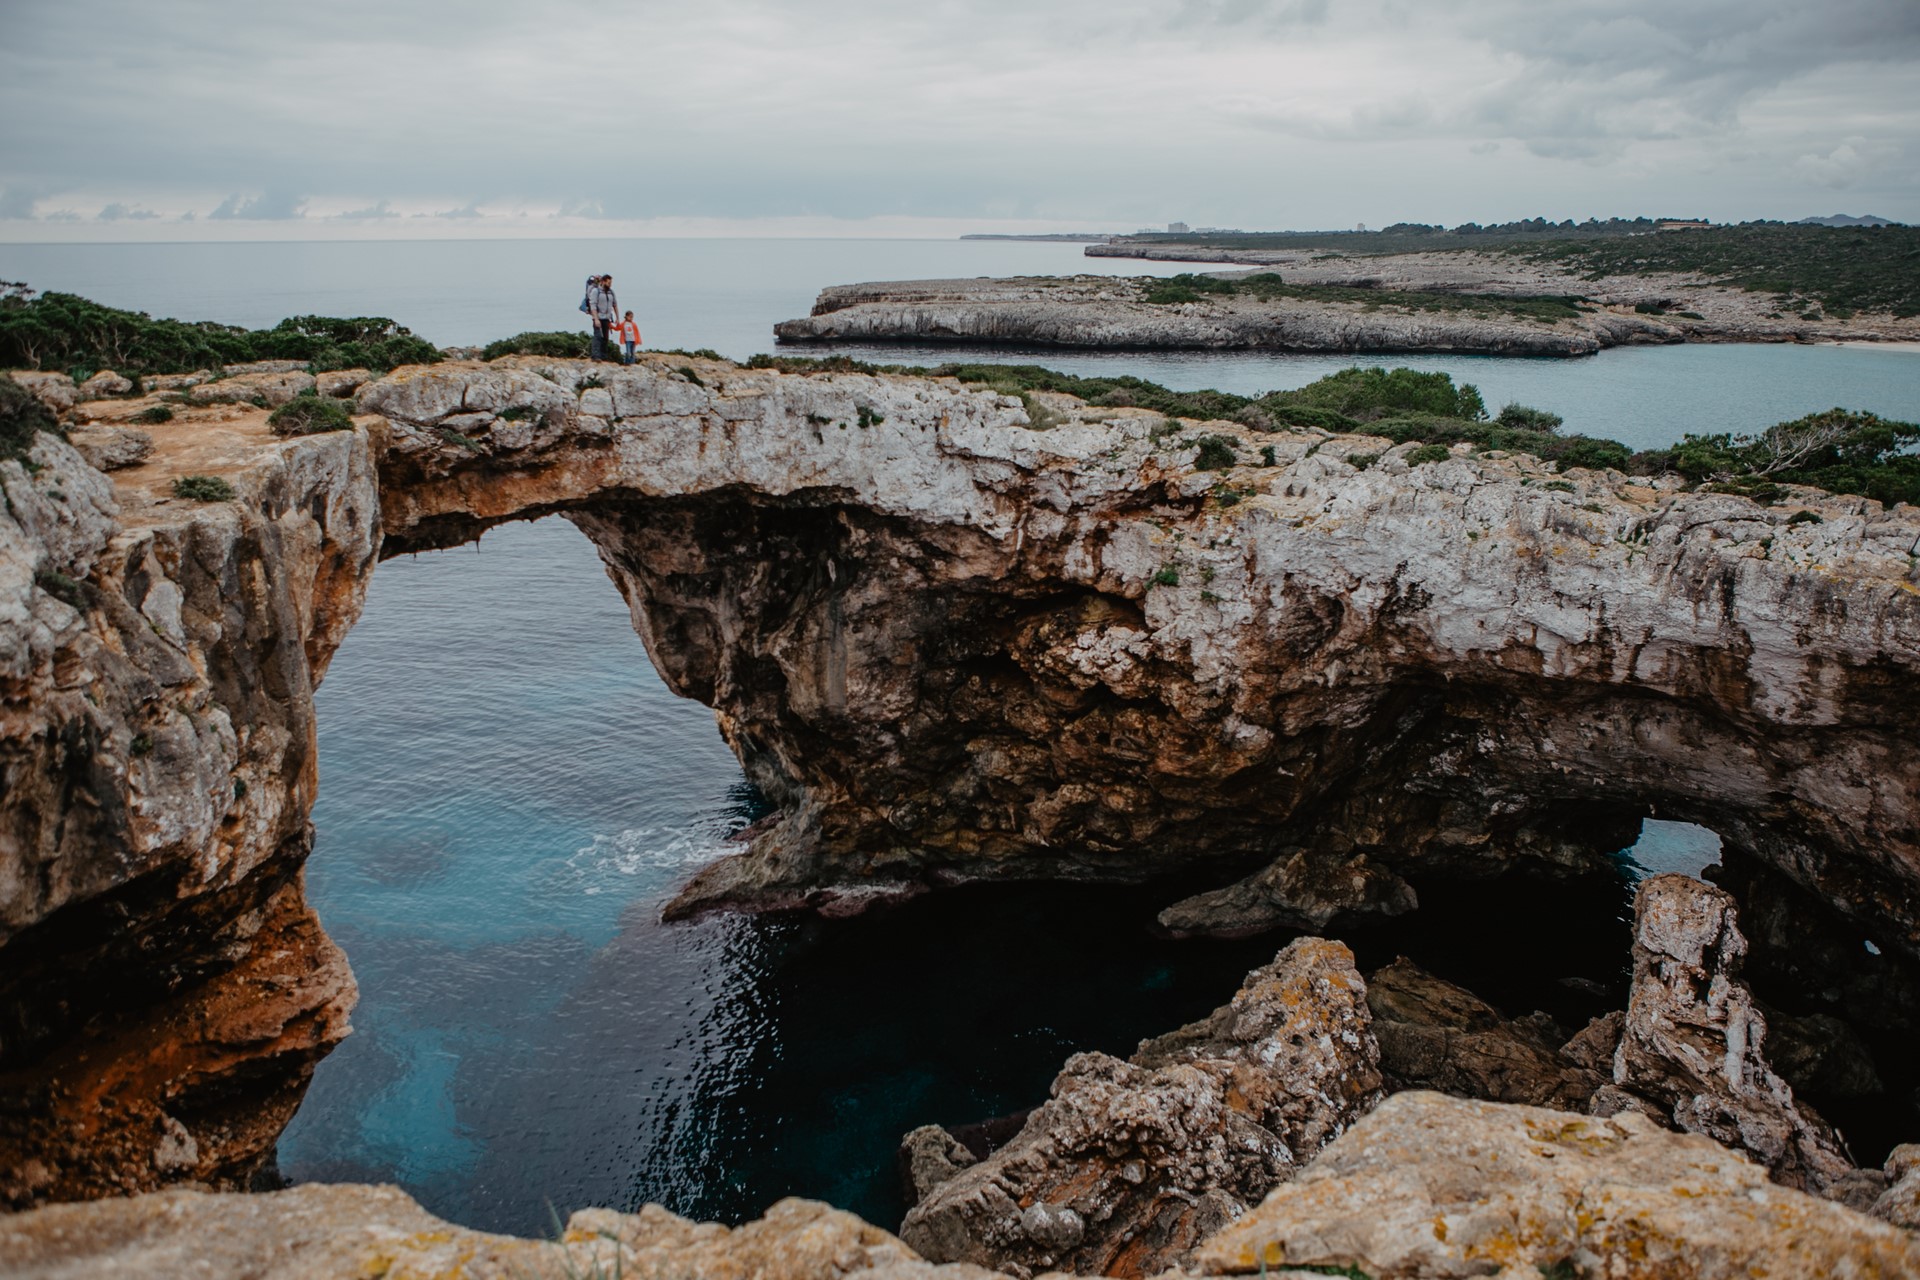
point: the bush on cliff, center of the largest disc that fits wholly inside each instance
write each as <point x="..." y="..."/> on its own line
<point x="22" y="419"/>
<point x="64" y="330"/>
<point x="561" y="344"/>
<point x="309" y="415"/>
<point x="1839" y="450"/>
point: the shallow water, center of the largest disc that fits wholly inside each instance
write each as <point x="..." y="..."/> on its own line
<point x="509" y="792"/>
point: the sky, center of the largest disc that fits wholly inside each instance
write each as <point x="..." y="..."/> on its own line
<point x="208" y="119"/>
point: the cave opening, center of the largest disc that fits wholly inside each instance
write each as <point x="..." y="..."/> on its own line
<point x="510" y="792"/>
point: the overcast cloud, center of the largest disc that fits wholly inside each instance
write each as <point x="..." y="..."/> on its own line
<point x="356" y="117"/>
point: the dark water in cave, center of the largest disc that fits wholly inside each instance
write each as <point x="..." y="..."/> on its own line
<point x="509" y="793"/>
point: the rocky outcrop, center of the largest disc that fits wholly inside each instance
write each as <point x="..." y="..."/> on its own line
<point x="1435" y="1035"/>
<point x="1106" y="312"/>
<point x="1131" y="1164"/>
<point x="1112" y="312"/>
<point x="1300" y="889"/>
<point x="164" y="990"/>
<point x="945" y="643"/>
<point x="1695" y="1042"/>
<point x="353" y="1232"/>
<point x="1430" y="1186"/>
<point x="1689" y="307"/>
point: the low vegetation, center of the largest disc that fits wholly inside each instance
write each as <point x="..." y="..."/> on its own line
<point x="203" y="489"/>
<point x="563" y="344"/>
<point x="66" y="331"/>
<point x="309" y="414"/>
<point x="1269" y="285"/>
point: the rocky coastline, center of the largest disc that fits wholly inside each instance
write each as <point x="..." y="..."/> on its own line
<point x="950" y="642"/>
<point x="1113" y="313"/>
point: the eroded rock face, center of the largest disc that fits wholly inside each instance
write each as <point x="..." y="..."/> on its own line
<point x="1131" y="1164"/>
<point x="1695" y="1042"/>
<point x="351" y="1232"/>
<point x="164" y="990"/>
<point x="948" y="645"/>
<point x="1431" y="1186"/>
<point x="1306" y="890"/>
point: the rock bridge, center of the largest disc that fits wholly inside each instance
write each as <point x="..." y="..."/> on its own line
<point x="948" y="646"/>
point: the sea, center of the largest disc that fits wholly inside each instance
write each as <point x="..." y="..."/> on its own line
<point x="509" y="793"/>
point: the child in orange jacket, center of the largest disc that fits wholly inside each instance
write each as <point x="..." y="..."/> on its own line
<point x="629" y="332"/>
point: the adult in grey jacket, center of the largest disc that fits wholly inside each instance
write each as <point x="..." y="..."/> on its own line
<point x="604" y="309"/>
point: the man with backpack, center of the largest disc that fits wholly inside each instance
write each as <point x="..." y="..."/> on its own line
<point x="603" y="309"/>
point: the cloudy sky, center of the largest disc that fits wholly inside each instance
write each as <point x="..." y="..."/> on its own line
<point x="122" y="118"/>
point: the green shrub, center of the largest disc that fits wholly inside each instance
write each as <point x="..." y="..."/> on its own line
<point x="564" y="344"/>
<point x="1522" y="418"/>
<point x="1838" y="450"/>
<point x="1266" y="456"/>
<point x="22" y="419"/>
<point x="76" y="593"/>
<point x="1361" y="461"/>
<point x="203" y="489"/>
<point x="309" y="415"/>
<point x="1215" y="453"/>
<point x="519" y="413"/>
<point x="154" y="413"/>
<point x="1804" y="517"/>
<point x="64" y="330"/>
<point x="1165" y="576"/>
<point x="1428" y="453"/>
<point x="1368" y="394"/>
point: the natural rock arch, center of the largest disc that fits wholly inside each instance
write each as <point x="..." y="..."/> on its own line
<point x="947" y="644"/>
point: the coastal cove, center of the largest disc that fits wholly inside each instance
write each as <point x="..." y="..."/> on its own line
<point x="509" y="796"/>
<point x="1515" y="679"/>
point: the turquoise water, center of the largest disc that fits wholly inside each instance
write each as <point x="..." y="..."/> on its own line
<point x="508" y="793"/>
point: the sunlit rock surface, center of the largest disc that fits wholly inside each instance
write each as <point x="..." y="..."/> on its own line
<point x="1131" y="1164"/>
<point x="1431" y="1186"/>
<point x="353" y="1232"/>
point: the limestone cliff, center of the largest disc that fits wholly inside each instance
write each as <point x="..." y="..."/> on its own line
<point x="946" y="644"/>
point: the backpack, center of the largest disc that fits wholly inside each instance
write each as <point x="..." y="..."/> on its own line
<point x="587" y="297"/>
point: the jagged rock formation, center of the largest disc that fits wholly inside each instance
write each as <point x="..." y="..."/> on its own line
<point x="1131" y="1164"/>
<point x="1300" y="889"/>
<point x="946" y="644"/>
<point x="1435" y="1035"/>
<point x="1110" y="312"/>
<point x="350" y="1232"/>
<point x="1431" y="1186"/>
<point x="1695" y="1042"/>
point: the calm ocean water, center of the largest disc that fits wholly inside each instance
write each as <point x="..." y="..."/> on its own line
<point x="509" y="793"/>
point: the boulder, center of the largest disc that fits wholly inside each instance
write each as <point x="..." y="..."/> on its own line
<point x="1900" y="1202"/>
<point x="273" y="388"/>
<point x="341" y="384"/>
<point x="111" y="448"/>
<point x="54" y="390"/>
<point x="1694" y="1040"/>
<point x="1435" y="1035"/>
<point x="928" y="1157"/>
<point x="1131" y="1164"/>
<point x="1307" y="890"/>
<point x="176" y="381"/>
<point x="348" y="1232"/>
<point x="104" y="385"/>
<point x="1432" y="1186"/>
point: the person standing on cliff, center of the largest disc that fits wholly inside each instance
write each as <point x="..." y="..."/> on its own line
<point x="629" y="338"/>
<point x="604" y="309"/>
